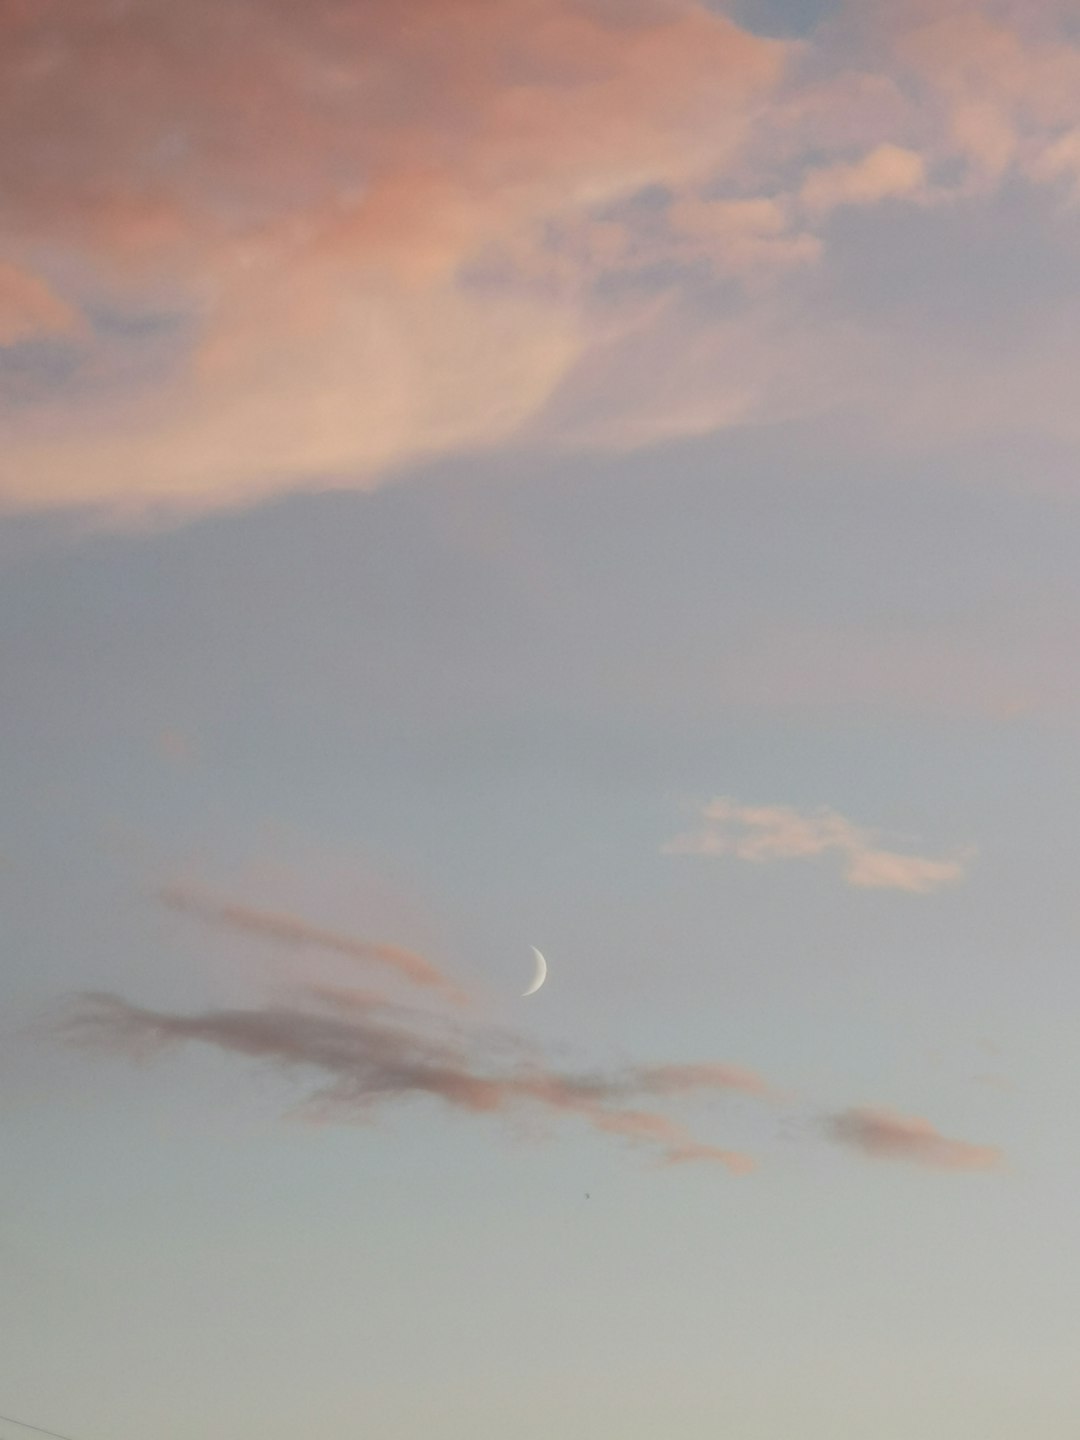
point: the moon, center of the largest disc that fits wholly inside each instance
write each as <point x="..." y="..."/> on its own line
<point x="540" y="976"/>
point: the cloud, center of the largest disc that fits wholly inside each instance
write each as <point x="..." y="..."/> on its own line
<point x="1061" y="161"/>
<point x="29" y="309"/>
<point x="354" y="1054"/>
<point x="885" y="173"/>
<point x="762" y="833"/>
<point x="745" y="237"/>
<point x="357" y="1055"/>
<point x="291" y="931"/>
<point x="672" y="1079"/>
<point x="1003" y="78"/>
<point x="886" y="1135"/>
<point x="383" y="242"/>
<point x="371" y="279"/>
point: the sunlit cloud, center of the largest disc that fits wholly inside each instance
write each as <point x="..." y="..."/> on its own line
<point x="764" y="833"/>
<point x="371" y="281"/>
<point x="29" y="308"/>
<point x="295" y="933"/>
<point x="673" y="1079"/>
<point x="588" y="224"/>
<point x="886" y="1135"/>
<point x="1001" y="80"/>
<point x="888" y="172"/>
<point x="351" y="1053"/>
<point x="354" y="1055"/>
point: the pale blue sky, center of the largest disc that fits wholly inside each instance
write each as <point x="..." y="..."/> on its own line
<point x="395" y="729"/>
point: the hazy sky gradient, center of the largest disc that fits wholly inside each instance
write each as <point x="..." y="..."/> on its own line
<point x="591" y="475"/>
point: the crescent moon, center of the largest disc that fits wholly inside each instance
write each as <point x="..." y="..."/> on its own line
<point x="540" y="976"/>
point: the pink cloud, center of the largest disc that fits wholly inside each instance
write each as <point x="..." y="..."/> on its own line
<point x="366" y="1054"/>
<point x="263" y="161"/>
<point x="671" y="1079"/>
<point x="888" y="870"/>
<point x="886" y="1135"/>
<point x="392" y="241"/>
<point x="291" y="931"/>
<point x="887" y="172"/>
<point x="29" y="308"/>
<point x="763" y="833"/>
<point x="1004" y="79"/>
<point x="356" y="1055"/>
<point x="746" y="237"/>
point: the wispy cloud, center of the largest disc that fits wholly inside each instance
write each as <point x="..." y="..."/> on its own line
<point x="762" y="833"/>
<point x="353" y="1053"/>
<point x="364" y="1054"/>
<point x="673" y="1079"/>
<point x="886" y="1135"/>
<point x="295" y="933"/>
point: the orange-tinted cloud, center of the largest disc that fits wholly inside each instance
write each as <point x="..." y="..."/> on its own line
<point x="744" y="237"/>
<point x="999" y="80"/>
<point x="395" y="231"/>
<point x="671" y="1079"/>
<point x="885" y="173"/>
<point x="365" y="1054"/>
<point x="388" y="230"/>
<point x="29" y="308"/>
<point x="761" y="833"/>
<point x="369" y="1054"/>
<point x="291" y="931"/>
<point x="382" y="133"/>
<point x="886" y="1135"/>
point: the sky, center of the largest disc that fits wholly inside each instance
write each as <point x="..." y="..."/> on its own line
<point x="597" y="475"/>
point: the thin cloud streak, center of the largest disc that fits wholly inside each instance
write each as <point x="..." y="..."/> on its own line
<point x="356" y="1055"/>
<point x="676" y="1079"/>
<point x="886" y="1135"/>
<point x="365" y="1055"/>
<point x="390" y="279"/>
<point x="296" y="933"/>
<point x="764" y="833"/>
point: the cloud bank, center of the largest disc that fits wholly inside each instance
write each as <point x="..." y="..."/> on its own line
<point x="762" y="833"/>
<point x="252" y="247"/>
